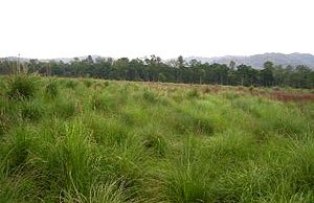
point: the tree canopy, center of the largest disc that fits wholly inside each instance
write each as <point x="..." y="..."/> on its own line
<point x="177" y="70"/>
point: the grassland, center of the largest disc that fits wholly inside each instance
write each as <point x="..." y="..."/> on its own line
<point x="84" y="140"/>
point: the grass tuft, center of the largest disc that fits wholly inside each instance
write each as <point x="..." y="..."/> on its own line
<point x="22" y="87"/>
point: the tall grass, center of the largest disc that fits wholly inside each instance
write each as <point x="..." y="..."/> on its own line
<point x="75" y="140"/>
<point x="22" y="86"/>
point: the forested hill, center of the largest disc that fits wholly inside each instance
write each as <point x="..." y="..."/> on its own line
<point x="178" y="70"/>
<point x="258" y="60"/>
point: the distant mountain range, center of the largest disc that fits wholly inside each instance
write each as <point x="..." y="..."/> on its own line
<point x="258" y="60"/>
<point x="255" y="61"/>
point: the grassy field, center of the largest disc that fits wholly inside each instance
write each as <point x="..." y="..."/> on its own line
<point x="84" y="140"/>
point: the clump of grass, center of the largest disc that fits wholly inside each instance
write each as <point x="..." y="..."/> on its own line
<point x="128" y="163"/>
<point x="22" y="87"/>
<point x="187" y="178"/>
<point x="103" y="102"/>
<point x="4" y="120"/>
<point x="207" y="90"/>
<point x="32" y="110"/>
<point x="66" y="162"/>
<point x="20" y="143"/>
<point x="185" y="122"/>
<point x="298" y="169"/>
<point x="65" y="108"/>
<point x="231" y="95"/>
<point x="203" y="125"/>
<point x="3" y="87"/>
<point x="87" y="83"/>
<point x="193" y="94"/>
<point x="51" y="90"/>
<point x="71" y="84"/>
<point x="276" y="89"/>
<point x="106" y="83"/>
<point x="108" y="192"/>
<point x="156" y="143"/>
<point x="276" y="119"/>
<point x="150" y="96"/>
<point x="251" y="89"/>
<point x="108" y="131"/>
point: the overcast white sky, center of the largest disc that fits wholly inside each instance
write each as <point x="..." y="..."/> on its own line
<point x="168" y="28"/>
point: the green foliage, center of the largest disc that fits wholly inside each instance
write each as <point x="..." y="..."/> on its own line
<point x="154" y="69"/>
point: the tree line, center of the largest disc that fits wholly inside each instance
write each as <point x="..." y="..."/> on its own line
<point x="154" y="69"/>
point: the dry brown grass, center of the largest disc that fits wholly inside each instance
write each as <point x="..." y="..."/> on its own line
<point x="294" y="97"/>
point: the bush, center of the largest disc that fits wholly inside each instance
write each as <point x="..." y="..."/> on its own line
<point x="22" y="87"/>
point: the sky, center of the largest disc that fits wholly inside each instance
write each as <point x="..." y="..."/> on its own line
<point x="167" y="28"/>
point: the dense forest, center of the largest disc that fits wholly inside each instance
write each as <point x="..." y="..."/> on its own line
<point x="179" y="71"/>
